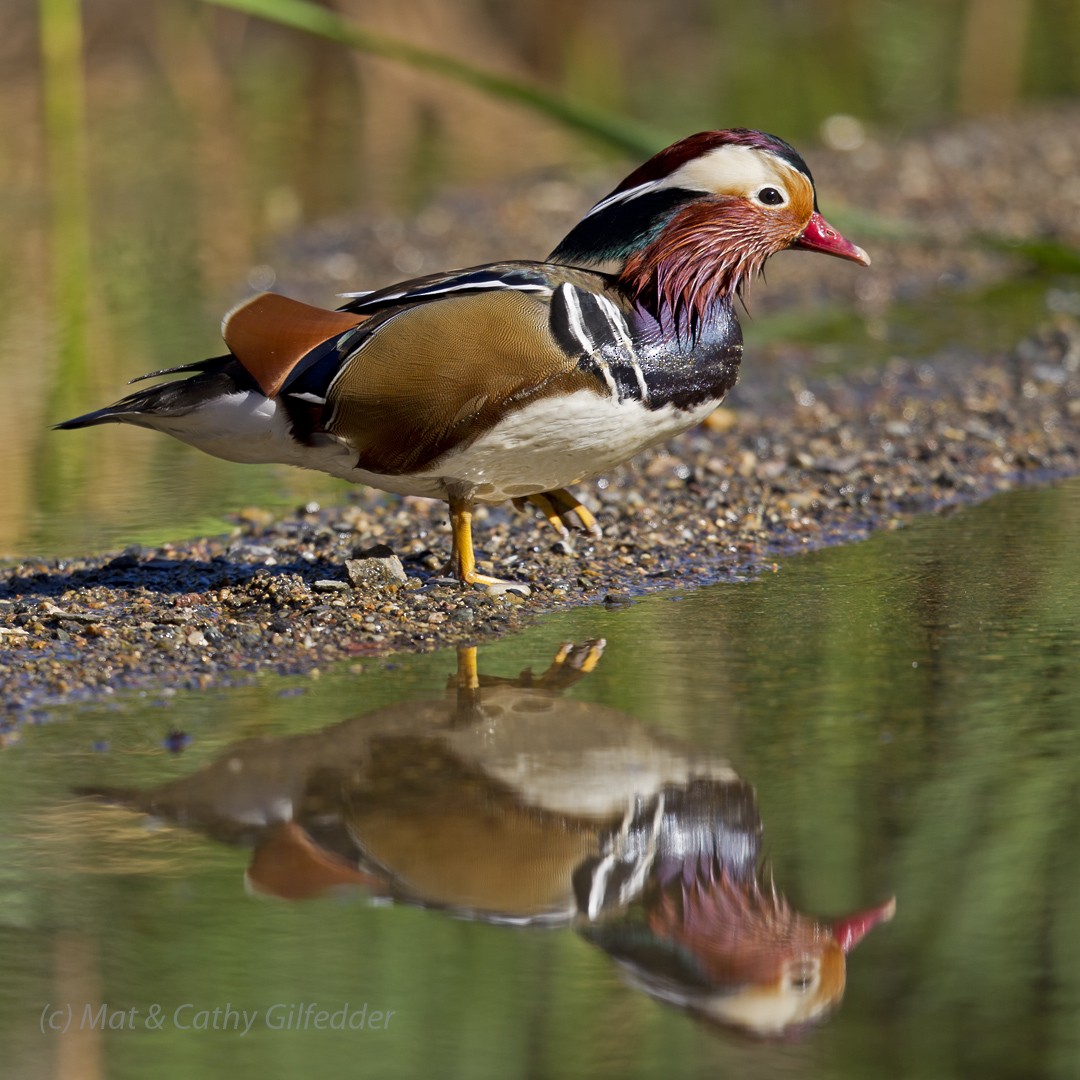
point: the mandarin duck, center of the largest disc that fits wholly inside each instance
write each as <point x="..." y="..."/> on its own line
<point x="512" y="380"/>
<point x="504" y="802"/>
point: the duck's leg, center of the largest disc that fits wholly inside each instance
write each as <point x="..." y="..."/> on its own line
<point x="567" y="503"/>
<point x="559" y="508"/>
<point x="467" y="684"/>
<point x="462" y="555"/>
<point x="546" y="505"/>
<point x="468" y="675"/>
<point x="571" y="663"/>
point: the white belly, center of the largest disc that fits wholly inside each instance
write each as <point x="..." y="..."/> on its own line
<point x="557" y="442"/>
<point x="552" y="443"/>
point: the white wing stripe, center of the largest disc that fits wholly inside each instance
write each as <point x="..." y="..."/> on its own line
<point x="573" y="317"/>
<point x="437" y="290"/>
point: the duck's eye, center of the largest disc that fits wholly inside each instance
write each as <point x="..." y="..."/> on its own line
<point x="770" y="196"/>
<point x="803" y="976"/>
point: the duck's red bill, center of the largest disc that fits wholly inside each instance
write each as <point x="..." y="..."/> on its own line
<point x="819" y="235"/>
<point x="851" y="929"/>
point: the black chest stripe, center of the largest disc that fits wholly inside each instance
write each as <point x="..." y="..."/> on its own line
<point x="591" y="327"/>
<point x="568" y="327"/>
<point x="656" y="372"/>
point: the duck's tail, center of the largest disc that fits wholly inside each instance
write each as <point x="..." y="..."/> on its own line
<point x="209" y="379"/>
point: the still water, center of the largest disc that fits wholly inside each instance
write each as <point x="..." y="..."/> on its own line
<point x="446" y="866"/>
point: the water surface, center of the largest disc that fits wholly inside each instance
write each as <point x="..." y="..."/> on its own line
<point x="905" y="711"/>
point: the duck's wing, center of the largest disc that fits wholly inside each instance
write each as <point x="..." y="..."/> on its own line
<point x="443" y="359"/>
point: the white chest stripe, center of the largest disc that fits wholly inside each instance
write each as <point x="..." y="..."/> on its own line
<point x="576" y="323"/>
<point x="621" y="332"/>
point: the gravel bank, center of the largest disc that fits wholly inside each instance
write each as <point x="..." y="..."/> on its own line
<point x="832" y="462"/>
<point x="793" y="465"/>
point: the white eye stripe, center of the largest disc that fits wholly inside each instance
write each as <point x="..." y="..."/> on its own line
<point x="736" y="170"/>
<point x="727" y="170"/>
<point x="630" y="193"/>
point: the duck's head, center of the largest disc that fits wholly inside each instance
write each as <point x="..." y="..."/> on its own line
<point x="733" y="952"/>
<point x="695" y="222"/>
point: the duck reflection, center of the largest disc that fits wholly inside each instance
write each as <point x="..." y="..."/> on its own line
<point x="506" y="802"/>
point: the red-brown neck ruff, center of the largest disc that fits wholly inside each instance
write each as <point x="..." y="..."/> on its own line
<point x="706" y="253"/>
<point x="738" y="932"/>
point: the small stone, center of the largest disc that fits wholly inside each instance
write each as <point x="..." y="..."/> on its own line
<point x="377" y="567"/>
<point x="507" y="589"/>
<point x="327" y="585"/>
<point x="256" y="516"/>
<point x="71" y="616"/>
<point x="176" y="741"/>
<point x="166" y="638"/>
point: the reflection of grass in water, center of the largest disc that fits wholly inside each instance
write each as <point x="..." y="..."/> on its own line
<point x="89" y="837"/>
<point x="951" y="783"/>
<point x="907" y="711"/>
<point x="168" y="496"/>
<point x="59" y="468"/>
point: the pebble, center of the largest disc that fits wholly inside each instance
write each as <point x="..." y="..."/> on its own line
<point x="375" y="568"/>
<point x="325" y="585"/>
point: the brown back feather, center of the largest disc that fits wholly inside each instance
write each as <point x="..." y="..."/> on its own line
<point x="269" y="334"/>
